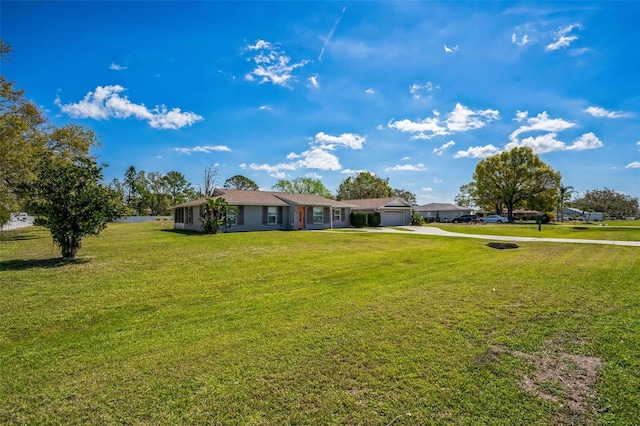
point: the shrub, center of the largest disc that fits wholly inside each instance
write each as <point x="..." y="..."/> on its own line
<point x="417" y="219"/>
<point x="358" y="219"/>
<point x="374" y="219"/>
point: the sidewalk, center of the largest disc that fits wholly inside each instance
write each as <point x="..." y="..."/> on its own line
<point x="429" y="230"/>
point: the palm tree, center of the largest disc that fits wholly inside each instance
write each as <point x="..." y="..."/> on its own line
<point x="564" y="195"/>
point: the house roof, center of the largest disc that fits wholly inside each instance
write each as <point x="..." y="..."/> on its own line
<point x="238" y="197"/>
<point x="440" y="207"/>
<point x="378" y="203"/>
<point x="310" y="200"/>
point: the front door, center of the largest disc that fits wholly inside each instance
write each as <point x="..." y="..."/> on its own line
<point x="301" y="215"/>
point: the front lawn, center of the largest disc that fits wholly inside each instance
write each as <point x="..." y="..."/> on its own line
<point x="552" y="230"/>
<point x="152" y="326"/>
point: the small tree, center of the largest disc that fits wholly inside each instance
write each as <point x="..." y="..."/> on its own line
<point x="214" y="215"/>
<point x="68" y="198"/>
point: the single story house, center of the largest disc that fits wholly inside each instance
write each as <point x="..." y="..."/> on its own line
<point x="441" y="212"/>
<point x="393" y="211"/>
<point x="263" y="211"/>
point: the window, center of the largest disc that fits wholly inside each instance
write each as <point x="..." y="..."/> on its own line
<point x="190" y="215"/>
<point x="317" y="215"/>
<point x="232" y="216"/>
<point x="337" y="214"/>
<point x="272" y="215"/>
<point x="179" y="216"/>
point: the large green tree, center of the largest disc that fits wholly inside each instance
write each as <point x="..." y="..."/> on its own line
<point x="25" y="137"/>
<point x="68" y="197"/>
<point x="364" y="185"/>
<point x="241" y="182"/>
<point x="302" y="185"/>
<point x="22" y="138"/>
<point x="514" y="178"/>
<point x="408" y="196"/>
<point x="608" y="201"/>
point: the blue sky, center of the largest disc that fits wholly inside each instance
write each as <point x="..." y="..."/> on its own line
<point x="417" y="92"/>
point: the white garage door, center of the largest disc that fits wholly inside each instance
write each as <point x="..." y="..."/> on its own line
<point x="392" y="218"/>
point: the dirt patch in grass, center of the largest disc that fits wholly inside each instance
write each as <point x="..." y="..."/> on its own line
<point x="566" y="379"/>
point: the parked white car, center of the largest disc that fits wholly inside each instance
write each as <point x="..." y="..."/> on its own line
<point x="494" y="218"/>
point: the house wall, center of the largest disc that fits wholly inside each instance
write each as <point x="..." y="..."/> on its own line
<point x="344" y="218"/>
<point x="252" y="219"/>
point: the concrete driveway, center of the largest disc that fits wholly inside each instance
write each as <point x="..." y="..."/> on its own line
<point x="429" y="230"/>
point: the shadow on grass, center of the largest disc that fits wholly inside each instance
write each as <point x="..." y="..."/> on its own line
<point x="20" y="265"/>
<point x="17" y="236"/>
<point x="184" y="232"/>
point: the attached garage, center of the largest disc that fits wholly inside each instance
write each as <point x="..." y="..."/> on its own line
<point x="392" y="218"/>
<point x="393" y="211"/>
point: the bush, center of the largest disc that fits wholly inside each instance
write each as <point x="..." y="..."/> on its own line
<point x="358" y="220"/>
<point x="374" y="219"/>
<point x="417" y="219"/>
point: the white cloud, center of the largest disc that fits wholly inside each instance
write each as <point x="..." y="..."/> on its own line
<point x="272" y="65"/>
<point x="318" y="158"/>
<point x="603" y="113"/>
<point x="436" y="180"/>
<point x="539" y="144"/>
<point x="638" y="143"/>
<point x="349" y="140"/>
<point x="427" y="189"/>
<point x="549" y="143"/>
<point x="416" y="89"/>
<point x="207" y="149"/>
<point x="521" y="115"/>
<point x="562" y="39"/>
<point x="586" y="141"/>
<point x="106" y="102"/>
<point x="260" y="44"/>
<point x="425" y="129"/>
<point x="318" y="155"/>
<point x="117" y="67"/>
<point x="313" y="82"/>
<point x="439" y="151"/>
<point x="540" y="123"/>
<point x="450" y="49"/>
<point x="352" y="171"/>
<point x="461" y="119"/>
<point x="634" y="165"/>
<point x="265" y="108"/>
<point x="406" y="168"/>
<point x="370" y="91"/>
<point x="313" y="175"/>
<point x="524" y="40"/>
<point x="405" y="159"/>
<point x="478" y="152"/>
<point x="269" y="168"/>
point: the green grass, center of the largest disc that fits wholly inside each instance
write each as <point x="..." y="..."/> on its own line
<point x="569" y="230"/>
<point x="152" y="326"/>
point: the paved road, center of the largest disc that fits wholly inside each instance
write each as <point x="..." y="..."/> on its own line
<point x="429" y="230"/>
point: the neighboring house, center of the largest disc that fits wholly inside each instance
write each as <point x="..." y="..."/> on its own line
<point x="441" y="212"/>
<point x="574" y="213"/>
<point x="263" y="211"/>
<point x="393" y="211"/>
